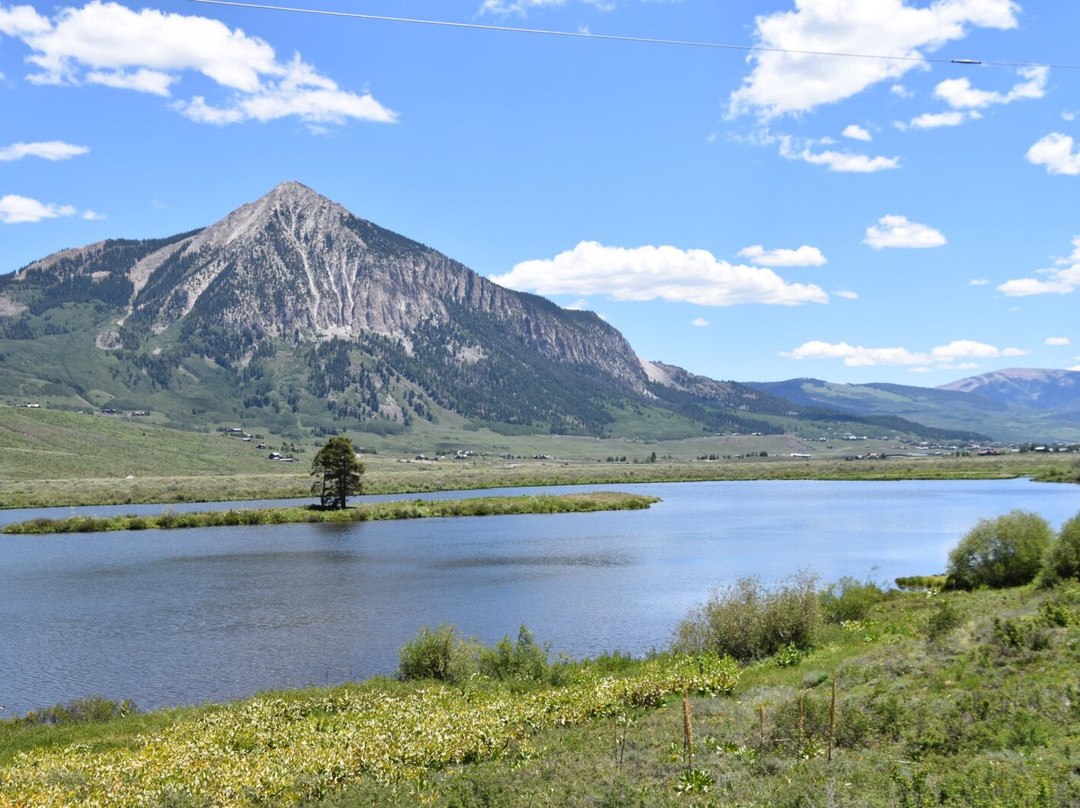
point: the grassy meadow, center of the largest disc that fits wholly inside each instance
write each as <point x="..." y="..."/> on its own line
<point x="955" y="699"/>
<point x="52" y="457"/>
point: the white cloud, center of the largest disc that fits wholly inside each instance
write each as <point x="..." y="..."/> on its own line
<point x="651" y="273"/>
<point x="785" y="82"/>
<point x="959" y="94"/>
<point x="901" y="91"/>
<point x="16" y="209"/>
<point x="942" y="356"/>
<point x="855" y="355"/>
<point x="1023" y="287"/>
<point x="1057" y="340"/>
<point x="91" y="216"/>
<point x="936" y="120"/>
<point x="804" y="256"/>
<point x="897" y="231"/>
<point x="978" y="282"/>
<point x="20" y="21"/>
<point x="522" y="7"/>
<point x="48" y="150"/>
<point x="847" y="295"/>
<point x="1055" y="151"/>
<point x="141" y="80"/>
<point x="963" y="349"/>
<point x="149" y="51"/>
<point x="957" y="366"/>
<point x="1014" y="352"/>
<point x="1068" y="115"/>
<point x="1058" y="281"/>
<point x="699" y="322"/>
<point x="834" y="160"/>
<point x="856" y="132"/>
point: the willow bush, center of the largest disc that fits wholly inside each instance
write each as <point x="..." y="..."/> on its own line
<point x="747" y="621"/>
<point x="1061" y="560"/>
<point x="1001" y="552"/>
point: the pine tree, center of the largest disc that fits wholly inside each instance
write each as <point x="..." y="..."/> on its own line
<point x="337" y="472"/>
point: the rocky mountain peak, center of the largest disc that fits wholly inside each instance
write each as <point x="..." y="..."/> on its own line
<point x="285" y="206"/>
<point x="294" y="262"/>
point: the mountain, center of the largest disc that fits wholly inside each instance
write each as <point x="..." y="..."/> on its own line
<point x="1019" y="405"/>
<point x="373" y="324"/>
<point x="294" y="314"/>
<point x="1048" y="390"/>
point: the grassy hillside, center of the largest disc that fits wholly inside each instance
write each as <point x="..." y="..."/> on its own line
<point x="51" y="457"/>
<point x="959" y="699"/>
<point x="37" y="444"/>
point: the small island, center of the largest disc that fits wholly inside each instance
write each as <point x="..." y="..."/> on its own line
<point x="403" y="509"/>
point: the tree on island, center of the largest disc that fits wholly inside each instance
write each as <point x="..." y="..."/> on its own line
<point x="337" y="472"/>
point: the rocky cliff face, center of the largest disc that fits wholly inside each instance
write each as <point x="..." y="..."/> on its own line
<point x="360" y="319"/>
<point x="294" y="261"/>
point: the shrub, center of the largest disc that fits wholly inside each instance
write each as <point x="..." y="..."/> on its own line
<point x="1062" y="558"/>
<point x="1001" y="552"/>
<point x="437" y="653"/>
<point x="1011" y="635"/>
<point x="523" y="659"/>
<point x="849" y="599"/>
<point x="748" y="622"/>
<point x="92" y="709"/>
<point x="942" y="620"/>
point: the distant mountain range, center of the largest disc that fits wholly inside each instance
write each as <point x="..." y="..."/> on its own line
<point x="1046" y="390"/>
<point x="1017" y="404"/>
<point x="295" y="315"/>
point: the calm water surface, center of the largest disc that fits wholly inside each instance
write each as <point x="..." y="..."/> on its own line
<point x="187" y="616"/>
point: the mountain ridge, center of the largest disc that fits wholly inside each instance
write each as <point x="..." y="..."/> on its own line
<point x="292" y="310"/>
<point x="1004" y="404"/>
<point x="1037" y="388"/>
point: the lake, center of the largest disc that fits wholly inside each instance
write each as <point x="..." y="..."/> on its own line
<point x="188" y="616"/>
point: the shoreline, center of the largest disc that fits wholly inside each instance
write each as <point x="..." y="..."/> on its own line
<point x="871" y="691"/>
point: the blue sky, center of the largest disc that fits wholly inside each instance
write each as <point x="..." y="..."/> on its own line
<point x="750" y="215"/>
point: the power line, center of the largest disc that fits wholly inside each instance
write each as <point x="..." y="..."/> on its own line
<point x="637" y="39"/>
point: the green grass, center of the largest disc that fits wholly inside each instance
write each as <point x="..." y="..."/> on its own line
<point x="414" y="509"/>
<point x="970" y="717"/>
<point x="51" y="444"/>
<point x="980" y="710"/>
<point x="284" y="747"/>
<point x="52" y="457"/>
